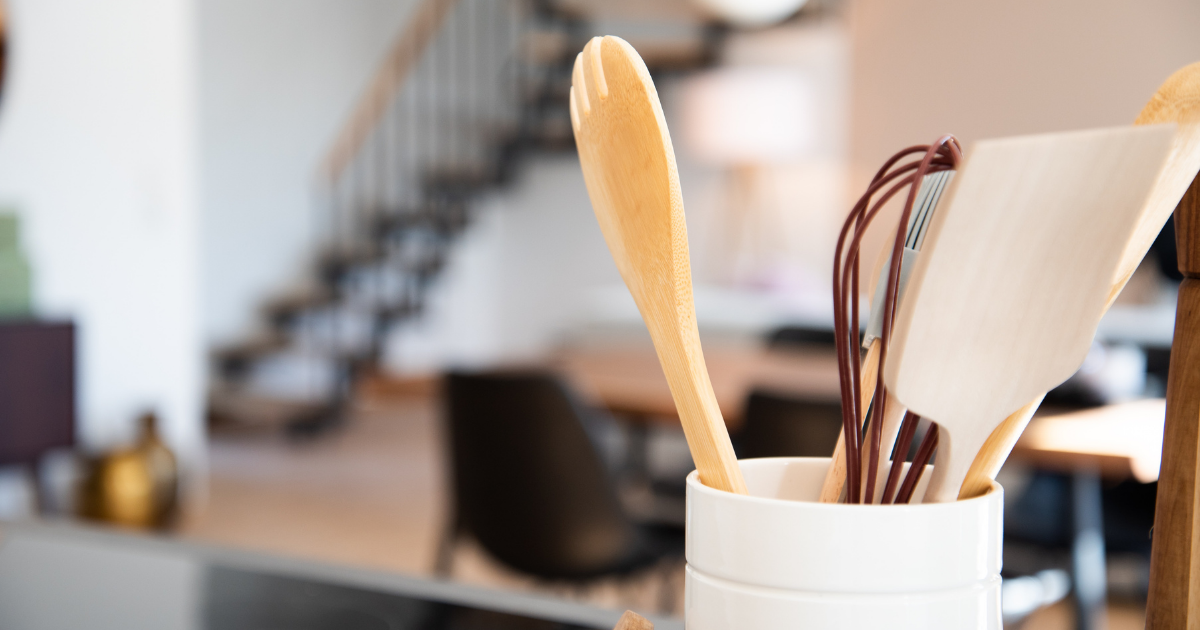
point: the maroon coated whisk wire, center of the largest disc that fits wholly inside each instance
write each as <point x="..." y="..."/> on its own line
<point x="924" y="454"/>
<point x="892" y="177"/>
<point x="908" y="429"/>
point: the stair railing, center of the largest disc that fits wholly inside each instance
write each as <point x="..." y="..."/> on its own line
<point x="432" y="119"/>
<point x="400" y="61"/>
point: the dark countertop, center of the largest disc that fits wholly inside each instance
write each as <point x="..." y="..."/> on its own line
<point x="61" y="575"/>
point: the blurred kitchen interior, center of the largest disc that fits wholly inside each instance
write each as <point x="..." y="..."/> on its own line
<point x="278" y="226"/>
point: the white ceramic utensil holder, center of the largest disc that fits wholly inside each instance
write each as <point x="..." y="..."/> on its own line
<point x="778" y="560"/>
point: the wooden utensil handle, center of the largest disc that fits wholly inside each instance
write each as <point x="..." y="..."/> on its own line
<point x="835" y="477"/>
<point x="683" y="364"/>
<point x="893" y="415"/>
<point x="1174" y="599"/>
<point x="633" y="621"/>
<point x="996" y="450"/>
<point x="951" y="470"/>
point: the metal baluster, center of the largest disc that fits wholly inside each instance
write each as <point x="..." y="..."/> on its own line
<point x="470" y="123"/>
<point x="514" y="47"/>
<point x="352" y="183"/>
<point x="432" y="112"/>
<point x="445" y="52"/>
<point x="379" y="172"/>
<point x="374" y="158"/>
<point x="414" y="146"/>
<point x="362" y="170"/>
<point x="401" y="140"/>
<point x="452" y="91"/>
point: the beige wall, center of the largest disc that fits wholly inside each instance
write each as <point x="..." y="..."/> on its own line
<point x="985" y="69"/>
<point x="981" y="69"/>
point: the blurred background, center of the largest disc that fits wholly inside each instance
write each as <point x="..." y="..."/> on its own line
<point x="321" y="278"/>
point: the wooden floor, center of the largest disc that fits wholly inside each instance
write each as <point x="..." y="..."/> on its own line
<point x="368" y="493"/>
<point x="371" y="493"/>
<point x="1121" y="616"/>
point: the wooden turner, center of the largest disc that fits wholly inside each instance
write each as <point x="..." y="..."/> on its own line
<point x="629" y="166"/>
<point x="1013" y="278"/>
<point x="1177" y="101"/>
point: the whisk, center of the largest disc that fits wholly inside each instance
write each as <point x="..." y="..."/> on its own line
<point x="895" y="176"/>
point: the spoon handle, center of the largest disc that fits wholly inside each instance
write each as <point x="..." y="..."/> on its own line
<point x="954" y="456"/>
<point x="682" y="360"/>
<point x="996" y="450"/>
<point x="835" y="477"/>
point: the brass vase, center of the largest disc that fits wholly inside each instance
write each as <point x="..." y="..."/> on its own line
<point x="136" y="487"/>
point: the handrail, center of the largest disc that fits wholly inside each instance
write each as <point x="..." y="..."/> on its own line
<point x="403" y="56"/>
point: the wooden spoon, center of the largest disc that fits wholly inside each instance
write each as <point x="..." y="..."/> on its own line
<point x="1013" y="278"/>
<point x="1177" y="101"/>
<point x="629" y="166"/>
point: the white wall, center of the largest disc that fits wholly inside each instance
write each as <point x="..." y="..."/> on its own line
<point x="277" y="79"/>
<point x="161" y="153"/>
<point x="97" y="143"/>
<point x="533" y="267"/>
<point x="777" y="237"/>
<point x="520" y="277"/>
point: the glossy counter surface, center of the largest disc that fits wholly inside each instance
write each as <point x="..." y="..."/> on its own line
<point x="65" y="576"/>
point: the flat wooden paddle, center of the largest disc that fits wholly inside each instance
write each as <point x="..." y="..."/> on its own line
<point x="1014" y="276"/>
<point x="1177" y="101"/>
<point x="629" y="166"/>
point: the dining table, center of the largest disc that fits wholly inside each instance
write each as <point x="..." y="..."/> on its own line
<point x="1108" y="443"/>
<point x="624" y="376"/>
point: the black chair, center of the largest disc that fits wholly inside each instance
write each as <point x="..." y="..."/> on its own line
<point x="791" y="337"/>
<point x="530" y="486"/>
<point x="781" y="426"/>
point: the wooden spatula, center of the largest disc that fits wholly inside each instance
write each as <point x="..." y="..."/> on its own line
<point x="1013" y="278"/>
<point x="629" y="166"/>
<point x="1177" y="101"/>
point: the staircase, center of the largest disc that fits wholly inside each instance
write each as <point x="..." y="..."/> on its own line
<point x="468" y="88"/>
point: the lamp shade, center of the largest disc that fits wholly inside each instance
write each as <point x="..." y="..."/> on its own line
<point x="749" y="115"/>
<point x="751" y="13"/>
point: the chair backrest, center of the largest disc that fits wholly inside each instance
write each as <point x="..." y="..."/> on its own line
<point x="528" y="482"/>
<point x="786" y="337"/>
<point x="777" y="425"/>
